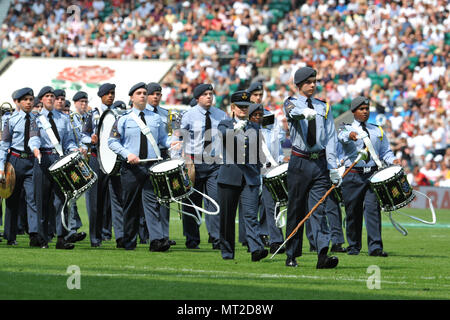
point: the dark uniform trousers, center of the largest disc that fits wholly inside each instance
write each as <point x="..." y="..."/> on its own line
<point x="361" y="201"/>
<point x="97" y="202"/>
<point x="164" y="210"/>
<point x="205" y="182"/>
<point x="275" y="233"/>
<point x="115" y="193"/>
<point x="334" y="215"/>
<point x="308" y="181"/>
<point x="74" y="222"/>
<point x="48" y="195"/>
<point x="23" y="168"/>
<point x="138" y="195"/>
<point x="228" y="201"/>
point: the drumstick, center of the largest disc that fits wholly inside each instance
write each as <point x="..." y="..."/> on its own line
<point x="315" y="207"/>
<point x="147" y="160"/>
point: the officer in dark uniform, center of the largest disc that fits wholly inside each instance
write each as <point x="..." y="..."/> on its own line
<point x="200" y="125"/>
<point x="311" y="167"/>
<point x="239" y="178"/>
<point x="360" y="201"/>
<point x="16" y="150"/>
<point x="128" y="141"/>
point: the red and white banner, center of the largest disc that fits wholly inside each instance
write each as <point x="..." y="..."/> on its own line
<point x="440" y="196"/>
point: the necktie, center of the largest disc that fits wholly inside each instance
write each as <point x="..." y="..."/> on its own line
<point x="363" y="126"/>
<point x="27" y="133"/>
<point x="52" y="122"/>
<point x="311" y="137"/>
<point x="143" y="148"/>
<point x="207" y="136"/>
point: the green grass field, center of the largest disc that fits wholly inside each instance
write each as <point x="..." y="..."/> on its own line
<point x="417" y="268"/>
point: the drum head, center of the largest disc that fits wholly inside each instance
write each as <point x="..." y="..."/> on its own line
<point x="106" y="157"/>
<point x="385" y="174"/>
<point x="7" y="188"/>
<point x="167" y="165"/>
<point x="63" y="161"/>
<point x="277" y="170"/>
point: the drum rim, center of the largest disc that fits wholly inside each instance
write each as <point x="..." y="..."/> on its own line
<point x="401" y="172"/>
<point x="100" y="122"/>
<point x="164" y="161"/>
<point x="77" y="155"/>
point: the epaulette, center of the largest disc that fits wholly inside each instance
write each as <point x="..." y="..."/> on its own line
<point x="288" y="104"/>
<point x="327" y="107"/>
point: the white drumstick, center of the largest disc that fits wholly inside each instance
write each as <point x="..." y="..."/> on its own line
<point x="148" y="160"/>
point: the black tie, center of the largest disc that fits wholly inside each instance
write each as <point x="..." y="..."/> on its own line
<point x="143" y="148"/>
<point x="311" y="137"/>
<point x="363" y="126"/>
<point x="207" y="137"/>
<point x="52" y="122"/>
<point x="27" y="133"/>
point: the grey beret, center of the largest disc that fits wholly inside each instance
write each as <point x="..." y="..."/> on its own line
<point x="198" y="91"/>
<point x="152" y="87"/>
<point x="358" y="101"/>
<point x="18" y="94"/>
<point x="60" y="93"/>
<point x="105" y="88"/>
<point x="255" y="86"/>
<point x="303" y="73"/>
<point x="193" y="102"/>
<point x="139" y="85"/>
<point x="254" y="107"/>
<point x="80" y="95"/>
<point x="119" y="105"/>
<point x="44" y="91"/>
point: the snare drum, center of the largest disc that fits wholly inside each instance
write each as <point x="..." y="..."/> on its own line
<point x="170" y="180"/>
<point x="276" y="182"/>
<point x="391" y="188"/>
<point x="108" y="160"/>
<point x="73" y="175"/>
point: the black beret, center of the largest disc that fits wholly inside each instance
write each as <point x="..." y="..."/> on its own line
<point x="193" y="102"/>
<point x="303" y="73"/>
<point x="60" y="93"/>
<point x="358" y="101"/>
<point x="254" y="107"/>
<point x="198" y="91"/>
<point x="80" y="95"/>
<point x="44" y="91"/>
<point x="13" y="96"/>
<point x="18" y="94"/>
<point x="36" y="101"/>
<point x="119" y="105"/>
<point x="139" y="85"/>
<point x="152" y="87"/>
<point x="255" y="86"/>
<point x="105" y="88"/>
<point x="67" y="104"/>
<point x="241" y="98"/>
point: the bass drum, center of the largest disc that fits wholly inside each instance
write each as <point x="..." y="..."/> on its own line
<point x="108" y="160"/>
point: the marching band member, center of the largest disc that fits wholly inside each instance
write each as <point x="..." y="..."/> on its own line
<point x="153" y="100"/>
<point x="128" y="141"/>
<point x="311" y="167"/>
<point x="15" y="149"/>
<point x="60" y="100"/>
<point x="359" y="199"/>
<point x="97" y="197"/>
<point x="200" y="122"/>
<point x="239" y="178"/>
<point x="48" y="196"/>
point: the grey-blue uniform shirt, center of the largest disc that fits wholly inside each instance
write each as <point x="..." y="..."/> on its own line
<point x="326" y="135"/>
<point x="163" y="113"/>
<point x="62" y="121"/>
<point x="76" y="121"/>
<point x="125" y="135"/>
<point x="13" y="135"/>
<point x="193" y="121"/>
<point x="379" y="141"/>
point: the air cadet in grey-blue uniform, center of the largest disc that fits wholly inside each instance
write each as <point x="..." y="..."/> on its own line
<point x="360" y="201"/>
<point x="200" y="119"/>
<point x="98" y="204"/>
<point x="311" y="167"/>
<point x="15" y="149"/>
<point x="154" y="97"/>
<point x="77" y="119"/>
<point x="49" y="198"/>
<point x="128" y="141"/>
<point x="239" y="178"/>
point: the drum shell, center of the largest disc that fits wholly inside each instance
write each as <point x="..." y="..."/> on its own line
<point x="277" y="187"/>
<point x="394" y="192"/>
<point x="103" y="140"/>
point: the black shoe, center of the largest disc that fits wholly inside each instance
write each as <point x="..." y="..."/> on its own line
<point x="352" y="252"/>
<point x="159" y="245"/>
<point x="63" y="244"/>
<point x="172" y="242"/>
<point x="216" y="246"/>
<point x="76" y="237"/>
<point x="259" y="254"/>
<point x="378" y="253"/>
<point x="337" y="248"/>
<point x="119" y="243"/>
<point x="265" y="240"/>
<point x="44" y="246"/>
<point x="245" y="244"/>
<point x="326" y="262"/>
<point x="210" y="239"/>
<point x="291" y="262"/>
<point x="106" y="238"/>
<point x="96" y="245"/>
<point x="34" y="240"/>
<point x="143" y="241"/>
<point x="312" y="249"/>
<point x="11" y="243"/>
<point x="274" y="247"/>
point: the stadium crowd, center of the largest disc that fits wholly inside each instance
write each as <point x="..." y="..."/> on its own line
<point x="395" y="52"/>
